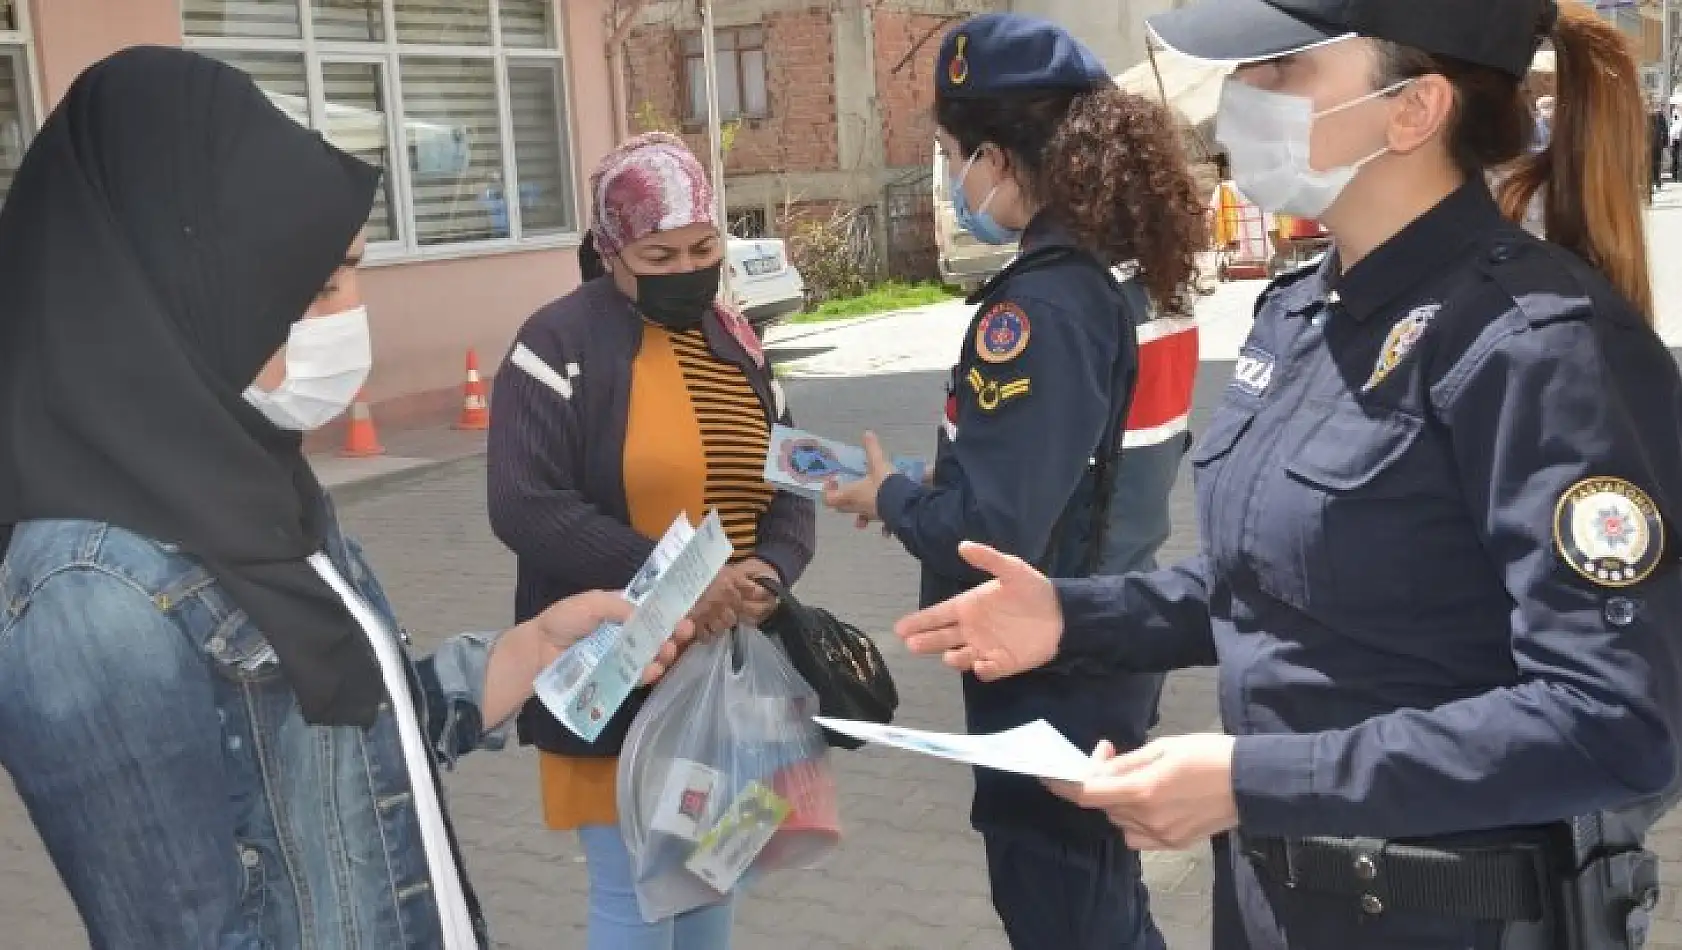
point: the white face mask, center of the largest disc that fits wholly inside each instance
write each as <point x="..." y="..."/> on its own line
<point x="327" y="361"/>
<point x="1267" y="137"/>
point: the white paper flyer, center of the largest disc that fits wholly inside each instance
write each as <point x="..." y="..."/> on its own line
<point x="1036" y="749"/>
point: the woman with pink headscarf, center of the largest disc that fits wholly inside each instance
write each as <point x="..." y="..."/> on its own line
<point x="633" y="399"/>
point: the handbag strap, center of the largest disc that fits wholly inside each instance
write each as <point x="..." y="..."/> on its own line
<point x="778" y="590"/>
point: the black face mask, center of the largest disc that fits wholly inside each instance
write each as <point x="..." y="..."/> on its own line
<point x="678" y="301"/>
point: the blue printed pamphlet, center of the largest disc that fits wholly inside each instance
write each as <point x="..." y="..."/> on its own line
<point x="803" y="463"/>
<point x="588" y="683"/>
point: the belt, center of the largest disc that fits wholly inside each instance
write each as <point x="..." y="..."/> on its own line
<point x="1505" y="881"/>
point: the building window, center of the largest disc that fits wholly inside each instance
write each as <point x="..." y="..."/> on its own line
<point x="17" y="120"/>
<point x="462" y="103"/>
<point x="741" y="74"/>
<point x="748" y="223"/>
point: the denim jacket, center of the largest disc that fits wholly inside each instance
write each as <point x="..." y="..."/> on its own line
<point x="163" y="759"/>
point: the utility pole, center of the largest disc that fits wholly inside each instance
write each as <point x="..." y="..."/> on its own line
<point x="715" y="137"/>
<point x="1669" y="87"/>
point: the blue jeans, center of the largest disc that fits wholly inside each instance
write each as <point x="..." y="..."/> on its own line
<point x="183" y="798"/>
<point x="615" y="920"/>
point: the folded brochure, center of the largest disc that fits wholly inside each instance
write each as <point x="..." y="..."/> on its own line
<point x="588" y="683"/>
<point x="803" y="463"/>
<point x="1036" y="749"/>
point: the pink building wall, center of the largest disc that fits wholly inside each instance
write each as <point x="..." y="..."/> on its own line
<point x="71" y="34"/>
<point x="425" y="314"/>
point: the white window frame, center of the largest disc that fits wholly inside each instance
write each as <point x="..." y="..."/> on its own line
<point x="25" y="37"/>
<point x="313" y="77"/>
<point x="388" y="54"/>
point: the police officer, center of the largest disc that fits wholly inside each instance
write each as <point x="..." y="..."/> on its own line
<point x="1045" y="151"/>
<point x="1438" y="498"/>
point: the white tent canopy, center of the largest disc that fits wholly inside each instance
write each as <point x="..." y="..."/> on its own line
<point x="1192" y="87"/>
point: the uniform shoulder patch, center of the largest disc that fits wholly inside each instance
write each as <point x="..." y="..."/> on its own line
<point x="1609" y="531"/>
<point x="1002" y="333"/>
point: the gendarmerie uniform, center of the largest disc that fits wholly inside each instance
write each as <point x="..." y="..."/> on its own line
<point x="1038" y="403"/>
<point x="1440" y="580"/>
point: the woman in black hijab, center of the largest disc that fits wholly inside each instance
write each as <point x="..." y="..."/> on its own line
<point x="202" y="701"/>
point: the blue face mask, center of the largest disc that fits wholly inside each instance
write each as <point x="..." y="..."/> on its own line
<point x="979" y="223"/>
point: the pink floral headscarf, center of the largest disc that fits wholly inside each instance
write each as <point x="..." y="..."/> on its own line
<point x="654" y="183"/>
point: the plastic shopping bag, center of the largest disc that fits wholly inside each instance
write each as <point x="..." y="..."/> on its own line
<point x="724" y="777"/>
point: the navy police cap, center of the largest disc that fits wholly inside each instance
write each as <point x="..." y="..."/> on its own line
<point x="1004" y="52"/>
<point x="1502" y="34"/>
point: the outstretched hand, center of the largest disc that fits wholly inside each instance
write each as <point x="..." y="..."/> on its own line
<point x="1009" y="625"/>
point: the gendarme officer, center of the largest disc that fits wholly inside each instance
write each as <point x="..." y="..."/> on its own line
<point x="1045" y="151"/>
<point x="1439" y="572"/>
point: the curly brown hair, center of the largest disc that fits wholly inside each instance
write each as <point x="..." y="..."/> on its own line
<point x="1110" y="165"/>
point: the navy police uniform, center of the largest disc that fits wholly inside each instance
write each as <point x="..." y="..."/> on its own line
<point x="1040" y="394"/>
<point x="1440" y="580"/>
<point x="1438" y="576"/>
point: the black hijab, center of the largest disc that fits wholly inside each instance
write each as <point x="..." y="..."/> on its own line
<point x="166" y="229"/>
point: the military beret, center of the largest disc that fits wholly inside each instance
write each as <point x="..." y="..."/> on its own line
<point x="1004" y="52"/>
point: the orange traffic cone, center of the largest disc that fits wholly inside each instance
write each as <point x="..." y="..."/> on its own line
<point x="361" y="441"/>
<point x="475" y="411"/>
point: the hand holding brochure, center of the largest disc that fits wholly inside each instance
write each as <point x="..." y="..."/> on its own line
<point x="1036" y="749"/>
<point x="803" y="463"/>
<point x="588" y="683"/>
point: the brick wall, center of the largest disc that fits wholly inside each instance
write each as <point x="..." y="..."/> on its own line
<point x="907" y="96"/>
<point x="652" y="80"/>
<point x="800" y="134"/>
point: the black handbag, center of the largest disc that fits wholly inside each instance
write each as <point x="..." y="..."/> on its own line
<point x="838" y="660"/>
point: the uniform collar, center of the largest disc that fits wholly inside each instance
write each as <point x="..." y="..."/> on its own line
<point x="1044" y="238"/>
<point x="1046" y="231"/>
<point x="1420" y="250"/>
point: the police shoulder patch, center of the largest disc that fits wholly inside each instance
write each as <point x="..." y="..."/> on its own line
<point x="1609" y="531"/>
<point x="1002" y="333"/>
